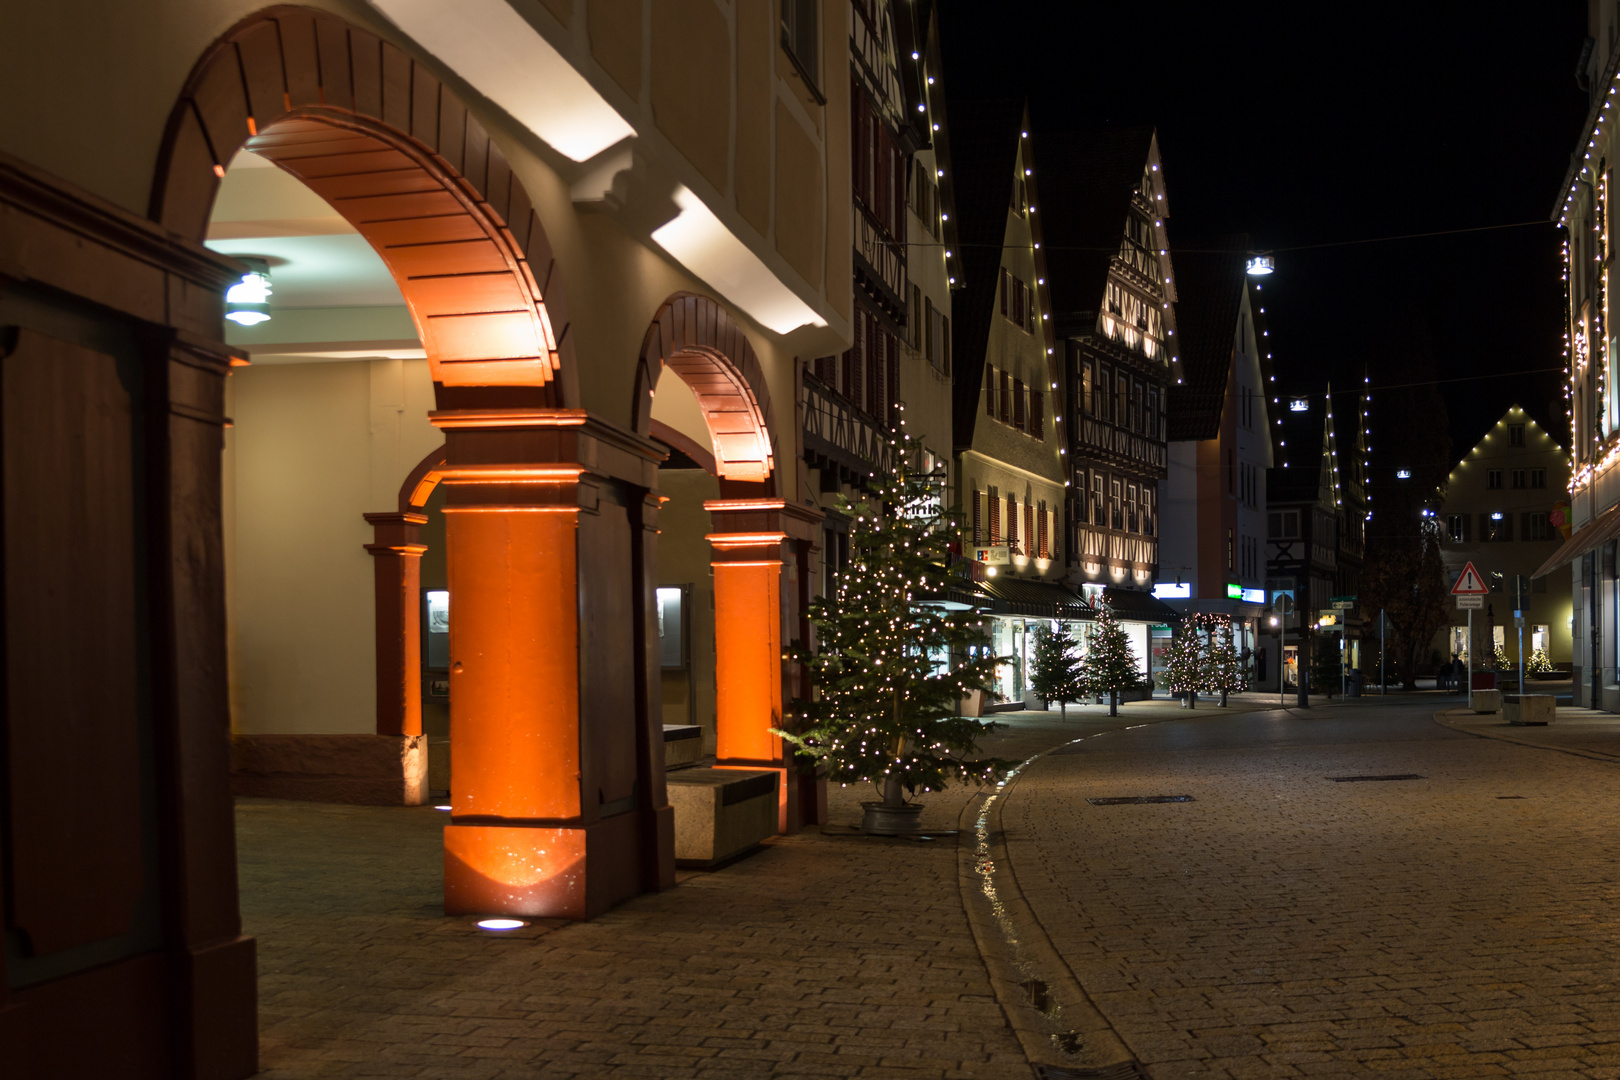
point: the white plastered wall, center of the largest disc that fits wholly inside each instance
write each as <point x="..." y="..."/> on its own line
<point x="312" y="448"/>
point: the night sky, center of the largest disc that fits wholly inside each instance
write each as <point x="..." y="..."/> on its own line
<point x="1395" y="119"/>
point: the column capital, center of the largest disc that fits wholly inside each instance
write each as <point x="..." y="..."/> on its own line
<point x="764" y="515"/>
<point x="396" y="533"/>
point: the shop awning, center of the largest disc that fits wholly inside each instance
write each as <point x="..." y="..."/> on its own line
<point x="1603" y="527"/>
<point x="1138" y="606"/>
<point x="1033" y="599"/>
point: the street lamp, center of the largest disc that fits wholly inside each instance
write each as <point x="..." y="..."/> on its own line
<point x="1261" y="265"/>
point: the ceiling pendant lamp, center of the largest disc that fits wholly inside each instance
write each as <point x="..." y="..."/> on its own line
<point x="247" y="303"/>
<point x="1261" y="265"/>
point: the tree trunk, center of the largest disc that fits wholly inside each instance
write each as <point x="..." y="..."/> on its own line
<point x="1113" y="703"/>
<point x="1223" y="697"/>
<point x="1063" y="710"/>
<point x="893" y="794"/>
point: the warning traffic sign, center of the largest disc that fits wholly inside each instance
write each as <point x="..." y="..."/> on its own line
<point x="1469" y="583"/>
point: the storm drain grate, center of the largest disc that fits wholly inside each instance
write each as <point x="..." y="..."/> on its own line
<point x="1510" y="796"/>
<point x="1125" y="1070"/>
<point x="1135" y="800"/>
<point x="1361" y="779"/>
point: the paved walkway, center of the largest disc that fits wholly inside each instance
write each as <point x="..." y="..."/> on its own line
<point x="825" y="954"/>
<point x="1577" y="731"/>
<point x="1282" y="924"/>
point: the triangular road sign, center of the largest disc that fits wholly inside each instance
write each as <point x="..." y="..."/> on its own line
<point x="1469" y="583"/>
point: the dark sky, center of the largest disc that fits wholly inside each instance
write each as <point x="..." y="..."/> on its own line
<point x="1387" y="120"/>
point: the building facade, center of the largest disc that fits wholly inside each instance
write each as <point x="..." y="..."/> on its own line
<point x="1317" y="523"/>
<point x="1501" y="510"/>
<point x="1212" y="544"/>
<point x="1008" y="422"/>
<point x="1592" y="359"/>
<point x="560" y="281"/>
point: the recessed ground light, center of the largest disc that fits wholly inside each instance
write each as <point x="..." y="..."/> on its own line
<point x="501" y="924"/>
<point x="441" y="808"/>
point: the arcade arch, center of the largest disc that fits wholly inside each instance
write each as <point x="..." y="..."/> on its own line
<point x="558" y="802"/>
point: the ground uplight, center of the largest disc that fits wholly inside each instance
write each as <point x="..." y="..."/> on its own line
<point x="501" y="924"/>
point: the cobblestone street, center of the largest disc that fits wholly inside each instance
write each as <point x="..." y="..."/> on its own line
<point x="823" y="955"/>
<point x="1281" y="924"/>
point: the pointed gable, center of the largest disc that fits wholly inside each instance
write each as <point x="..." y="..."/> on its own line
<point x="984" y="153"/>
<point x="1211" y="286"/>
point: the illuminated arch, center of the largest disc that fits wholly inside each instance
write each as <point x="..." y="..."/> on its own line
<point x="695" y="338"/>
<point x="376" y="135"/>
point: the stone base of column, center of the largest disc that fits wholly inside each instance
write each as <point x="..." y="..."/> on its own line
<point x="573" y="872"/>
<point x="372" y="770"/>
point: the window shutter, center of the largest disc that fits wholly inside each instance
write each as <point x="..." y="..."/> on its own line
<point x="995" y="517"/>
<point x="1012" y="524"/>
<point x="1005" y="411"/>
<point x="1006" y="289"/>
<point x="1018" y="404"/>
<point x="990" y="391"/>
<point x="1037" y="414"/>
<point x="1029" y="529"/>
<point x="978" y="531"/>
<point x="1045" y="548"/>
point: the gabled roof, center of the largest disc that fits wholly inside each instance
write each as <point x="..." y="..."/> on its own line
<point x="984" y="151"/>
<point x="1087" y="178"/>
<point x="1211" y="285"/>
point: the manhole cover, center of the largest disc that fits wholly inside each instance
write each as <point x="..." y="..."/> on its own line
<point x="1363" y="779"/>
<point x="1125" y="1070"/>
<point x="1133" y="800"/>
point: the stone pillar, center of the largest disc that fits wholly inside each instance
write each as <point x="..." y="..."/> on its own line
<point x="556" y="810"/>
<point x="756" y="610"/>
<point x="397" y="571"/>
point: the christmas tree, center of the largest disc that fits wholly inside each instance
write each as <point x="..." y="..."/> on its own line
<point x="1499" y="659"/>
<point x="889" y="669"/>
<point x="1058" y="668"/>
<point x="1110" y="663"/>
<point x="1538" y="664"/>
<point x="1183" y="662"/>
<point x="1226" y="667"/>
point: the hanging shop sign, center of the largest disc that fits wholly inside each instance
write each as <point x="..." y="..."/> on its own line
<point x="993" y="554"/>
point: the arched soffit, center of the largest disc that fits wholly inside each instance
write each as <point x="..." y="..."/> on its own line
<point x="419" y="485"/>
<point x="695" y="338"/>
<point x="677" y="440"/>
<point x="373" y="133"/>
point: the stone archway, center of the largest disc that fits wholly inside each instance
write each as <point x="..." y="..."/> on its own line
<point x="757" y="532"/>
<point x="558" y="804"/>
<point x="375" y="134"/>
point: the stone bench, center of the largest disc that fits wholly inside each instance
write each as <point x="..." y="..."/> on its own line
<point x="1486" y="701"/>
<point x="721" y="813"/>
<point x="1529" y="710"/>
<point x="683" y="745"/>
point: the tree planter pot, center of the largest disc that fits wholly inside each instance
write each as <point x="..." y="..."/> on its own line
<point x="881" y="820"/>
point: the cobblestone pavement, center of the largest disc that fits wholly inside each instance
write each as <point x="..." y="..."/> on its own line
<point x="1575" y="730"/>
<point x="1284" y="924"/>
<point x="823" y="955"/>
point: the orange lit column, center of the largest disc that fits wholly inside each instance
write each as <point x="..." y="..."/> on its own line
<point x="554" y="811"/>
<point x="754" y="542"/>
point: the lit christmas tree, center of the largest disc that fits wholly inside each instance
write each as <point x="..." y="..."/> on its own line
<point x="1538" y="664"/>
<point x="1110" y="663"/>
<point x="889" y="669"/>
<point x="1184" y="662"/>
<point x="1226" y="667"/>
<point x="1058" y="668"/>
